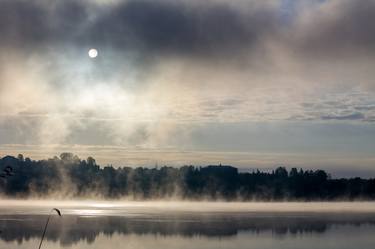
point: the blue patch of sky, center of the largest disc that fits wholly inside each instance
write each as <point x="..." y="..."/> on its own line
<point x="289" y="9"/>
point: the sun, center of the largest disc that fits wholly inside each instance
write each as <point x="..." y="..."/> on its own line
<point x="93" y="53"/>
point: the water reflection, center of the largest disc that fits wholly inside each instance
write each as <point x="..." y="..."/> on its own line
<point x="71" y="229"/>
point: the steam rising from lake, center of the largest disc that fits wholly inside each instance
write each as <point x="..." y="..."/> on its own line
<point x="199" y="225"/>
<point x="124" y="208"/>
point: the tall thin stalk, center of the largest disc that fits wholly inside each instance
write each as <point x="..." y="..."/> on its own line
<point x="45" y="227"/>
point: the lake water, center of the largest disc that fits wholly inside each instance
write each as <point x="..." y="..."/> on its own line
<point x="157" y="225"/>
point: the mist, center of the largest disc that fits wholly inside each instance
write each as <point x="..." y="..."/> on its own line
<point x="130" y="208"/>
<point x="69" y="177"/>
<point x="199" y="124"/>
<point x="169" y="70"/>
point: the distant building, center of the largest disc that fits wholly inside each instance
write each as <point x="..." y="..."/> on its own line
<point x="220" y="170"/>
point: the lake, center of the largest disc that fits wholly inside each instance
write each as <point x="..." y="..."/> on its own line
<point x="160" y="225"/>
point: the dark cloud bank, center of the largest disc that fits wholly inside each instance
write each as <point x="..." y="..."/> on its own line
<point x="188" y="27"/>
<point x="324" y="42"/>
<point x="156" y="27"/>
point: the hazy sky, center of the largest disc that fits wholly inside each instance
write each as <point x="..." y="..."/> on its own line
<point x="251" y="83"/>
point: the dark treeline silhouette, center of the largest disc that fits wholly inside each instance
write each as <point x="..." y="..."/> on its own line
<point x="69" y="176"/>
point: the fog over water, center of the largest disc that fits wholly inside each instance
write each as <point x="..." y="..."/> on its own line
<point x="92" y="224"/>
<point x="128" y="207"/>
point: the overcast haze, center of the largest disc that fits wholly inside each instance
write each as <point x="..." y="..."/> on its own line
<point x="251" y="83"/>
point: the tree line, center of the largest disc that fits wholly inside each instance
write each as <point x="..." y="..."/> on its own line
<point x="68" y="176"/>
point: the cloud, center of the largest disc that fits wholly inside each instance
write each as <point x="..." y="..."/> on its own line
<point x="165" y="63"/>
<point x="365" y="108"/>
<point x="352" y="116"/>
<point x="334" y="28"/>
<point x="29" y="25"/>
<point x="191" y="28"/>
<point x="188" y="28"/>
<point x="184" y="28"/>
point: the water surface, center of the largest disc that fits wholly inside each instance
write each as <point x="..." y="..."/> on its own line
<point x="160" y="225"/>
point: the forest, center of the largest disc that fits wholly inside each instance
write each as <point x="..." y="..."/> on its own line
<point x="68" y="177"/>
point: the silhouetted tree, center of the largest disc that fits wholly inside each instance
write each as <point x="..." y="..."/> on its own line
<point x="85" y="177"/>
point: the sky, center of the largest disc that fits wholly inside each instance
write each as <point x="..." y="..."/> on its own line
<point x="250" y="83"/>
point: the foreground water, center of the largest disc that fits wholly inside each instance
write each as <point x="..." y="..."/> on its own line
<point x="160" y="225"/>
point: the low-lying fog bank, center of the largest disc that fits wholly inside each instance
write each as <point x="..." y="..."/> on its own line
<point x="92" y="207"/>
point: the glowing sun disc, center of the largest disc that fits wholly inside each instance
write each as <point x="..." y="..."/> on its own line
<point x="93" y="53"/>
